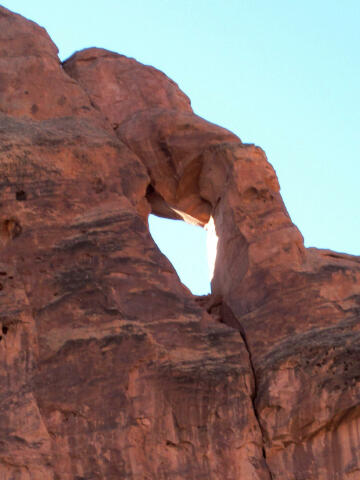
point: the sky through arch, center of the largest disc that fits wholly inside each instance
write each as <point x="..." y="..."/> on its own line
<point x="185" y="246"/>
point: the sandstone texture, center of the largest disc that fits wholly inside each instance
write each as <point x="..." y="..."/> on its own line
<point x="110" y="367"/>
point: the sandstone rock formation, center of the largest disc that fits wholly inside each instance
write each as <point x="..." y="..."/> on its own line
<point x="111" y="368"/>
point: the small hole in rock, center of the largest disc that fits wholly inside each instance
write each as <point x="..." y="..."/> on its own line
<point x="99" y="185"/>
<point x="0" y="338"/>
<point x="1" y="286"/>
<point x="2" y="273"/>
<point x="11" y="228"/>
<point x="21" y="196"/>
<point x="5" y="329"/>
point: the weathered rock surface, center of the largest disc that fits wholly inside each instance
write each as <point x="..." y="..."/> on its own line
<point x="111" y="368"/>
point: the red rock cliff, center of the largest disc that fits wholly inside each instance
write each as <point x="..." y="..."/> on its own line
<point x="111" y="369"/>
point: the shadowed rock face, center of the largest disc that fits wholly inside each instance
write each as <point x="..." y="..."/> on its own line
<point x="111" y="369"/>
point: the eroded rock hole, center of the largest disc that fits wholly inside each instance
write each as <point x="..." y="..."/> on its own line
<point x="11" y="228"/>
<point x="186" y="247"/>
<point x="5" y="329"/>
<point x="21" y="196"/>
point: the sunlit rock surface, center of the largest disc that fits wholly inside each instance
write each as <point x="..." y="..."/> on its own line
<point x="111" y="368"/>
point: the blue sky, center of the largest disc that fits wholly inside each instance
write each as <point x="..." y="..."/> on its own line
<point x="284" y="74"/>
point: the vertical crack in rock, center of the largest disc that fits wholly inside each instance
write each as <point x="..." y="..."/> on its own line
<point x="233" y="322"/>
<point x="254" y="397"/>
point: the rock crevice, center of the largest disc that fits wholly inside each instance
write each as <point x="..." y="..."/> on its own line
<point x="222" y="313"/>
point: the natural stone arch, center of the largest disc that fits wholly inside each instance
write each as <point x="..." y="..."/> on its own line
<point x="91" y="306"/>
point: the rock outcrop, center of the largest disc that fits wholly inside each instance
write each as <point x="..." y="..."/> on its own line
<point x="111" y="368"/>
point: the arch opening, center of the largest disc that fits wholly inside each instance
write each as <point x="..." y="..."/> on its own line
<point x="191" y="250"/>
